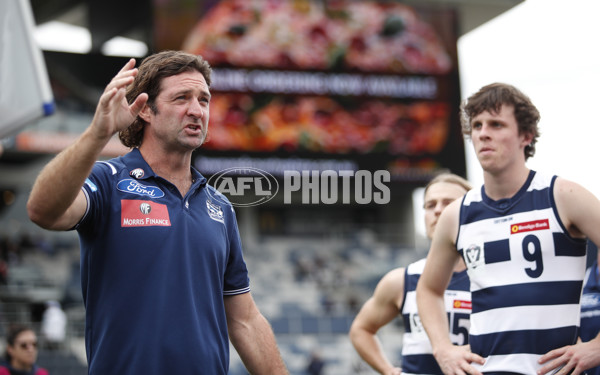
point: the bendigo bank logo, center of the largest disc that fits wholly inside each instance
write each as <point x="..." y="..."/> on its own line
<point x="460" y="304"/>
<point x="529" y="226"/>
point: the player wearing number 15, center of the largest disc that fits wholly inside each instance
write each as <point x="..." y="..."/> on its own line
<point x="395" y="293"/>
<point x="522" y="237"/>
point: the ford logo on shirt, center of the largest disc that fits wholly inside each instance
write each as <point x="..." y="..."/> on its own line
<point x="132" y="186"/>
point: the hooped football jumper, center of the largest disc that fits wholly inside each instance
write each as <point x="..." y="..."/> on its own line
<point x="526" y="276"/>
<point x="417" y="357"/>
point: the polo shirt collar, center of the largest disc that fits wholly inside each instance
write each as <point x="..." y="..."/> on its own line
<point x="140" y="170"/>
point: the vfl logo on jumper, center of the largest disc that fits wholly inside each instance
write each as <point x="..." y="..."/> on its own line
<point x="137" y="173"/>
<point x="132" y="186"/>
<point x="244" y="186"/>
<point x="474" y="257"/>
<point x="137" y="213"/>
<point x="529" y="226"/>
<point x="416" y="327"/>
<point x="215" y="212"/>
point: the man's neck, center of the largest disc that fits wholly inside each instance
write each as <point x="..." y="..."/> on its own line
<point x="17" y="365"/>
<point x="505" y="185"/>
<point x="173" y="167"/>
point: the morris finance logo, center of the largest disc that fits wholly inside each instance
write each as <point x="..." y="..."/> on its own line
<point x="245" y="186"/>
<point x="145" y="208"/>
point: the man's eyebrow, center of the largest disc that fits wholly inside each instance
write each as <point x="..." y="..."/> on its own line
<point x="204" y="93"/>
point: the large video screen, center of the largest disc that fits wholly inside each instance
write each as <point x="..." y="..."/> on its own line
<point x="371" y="83"/>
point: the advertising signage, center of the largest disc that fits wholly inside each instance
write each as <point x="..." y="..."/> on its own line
<point x="366" y="84"/>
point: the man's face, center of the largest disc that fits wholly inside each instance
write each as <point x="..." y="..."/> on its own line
<point x="496" y="139"/>
<point x="182" y="111"/>
<point x="437" y="197"/>
<point x="24" y="351"/>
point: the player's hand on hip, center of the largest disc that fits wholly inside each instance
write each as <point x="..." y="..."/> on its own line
<point x="571" y="359"/>
<point x="456" y="360"/>
<point x="394" y="371"/>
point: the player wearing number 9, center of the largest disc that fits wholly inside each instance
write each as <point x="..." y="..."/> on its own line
<point x="522" y="237"/>
<point x="395" y="293"/>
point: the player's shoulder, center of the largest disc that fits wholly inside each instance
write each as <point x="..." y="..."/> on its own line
<point x="563" y="185"/>
<point x="390" y="287"/>
<point x="570" y="194"/>
<point x="394" y="274"/>
<point x="450" y="215"/>
<point x="392" y="280"/>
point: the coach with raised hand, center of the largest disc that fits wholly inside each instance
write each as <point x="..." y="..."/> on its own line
<point x="164" y="281"/>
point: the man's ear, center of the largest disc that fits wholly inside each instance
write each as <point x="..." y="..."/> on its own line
<point x="527" y="138"/>
<point x="145" y="113"/>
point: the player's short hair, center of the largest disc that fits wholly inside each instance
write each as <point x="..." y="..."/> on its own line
<point x="450" y="178"/>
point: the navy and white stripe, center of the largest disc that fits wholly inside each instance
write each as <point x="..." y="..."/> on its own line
<point x="417" y="357"/>
<point x="526" y="276"/>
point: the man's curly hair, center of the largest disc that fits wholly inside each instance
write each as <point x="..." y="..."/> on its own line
<point x="491" y="98"/>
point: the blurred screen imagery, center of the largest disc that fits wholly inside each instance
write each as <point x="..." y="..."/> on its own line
<point x="326" y="78"/>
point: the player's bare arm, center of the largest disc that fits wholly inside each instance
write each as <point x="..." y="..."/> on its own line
<point x="378" y="311"/>
<point x="442" y="258"/>
<point x="579" y="210"/>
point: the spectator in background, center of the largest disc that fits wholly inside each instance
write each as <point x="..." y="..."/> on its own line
<point x="21" y="353"/>
<point x="590" y="304"/>
<point x="54" y="325"/>
<point x="395" y="294"/>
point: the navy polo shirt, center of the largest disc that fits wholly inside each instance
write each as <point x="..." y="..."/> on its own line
<point x="154" y="268"/>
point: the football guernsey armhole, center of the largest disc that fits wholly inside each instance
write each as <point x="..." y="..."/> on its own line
<point x="460" y="219"/>
<point x="555" y="210"/>
<point x="405" y="290"/>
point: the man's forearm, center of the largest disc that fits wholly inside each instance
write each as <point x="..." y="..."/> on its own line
<point x="257" y="347"/>
<point x="60" y="181"/>
<point x="369" y="348"/>
<point x="433" y="317"/>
